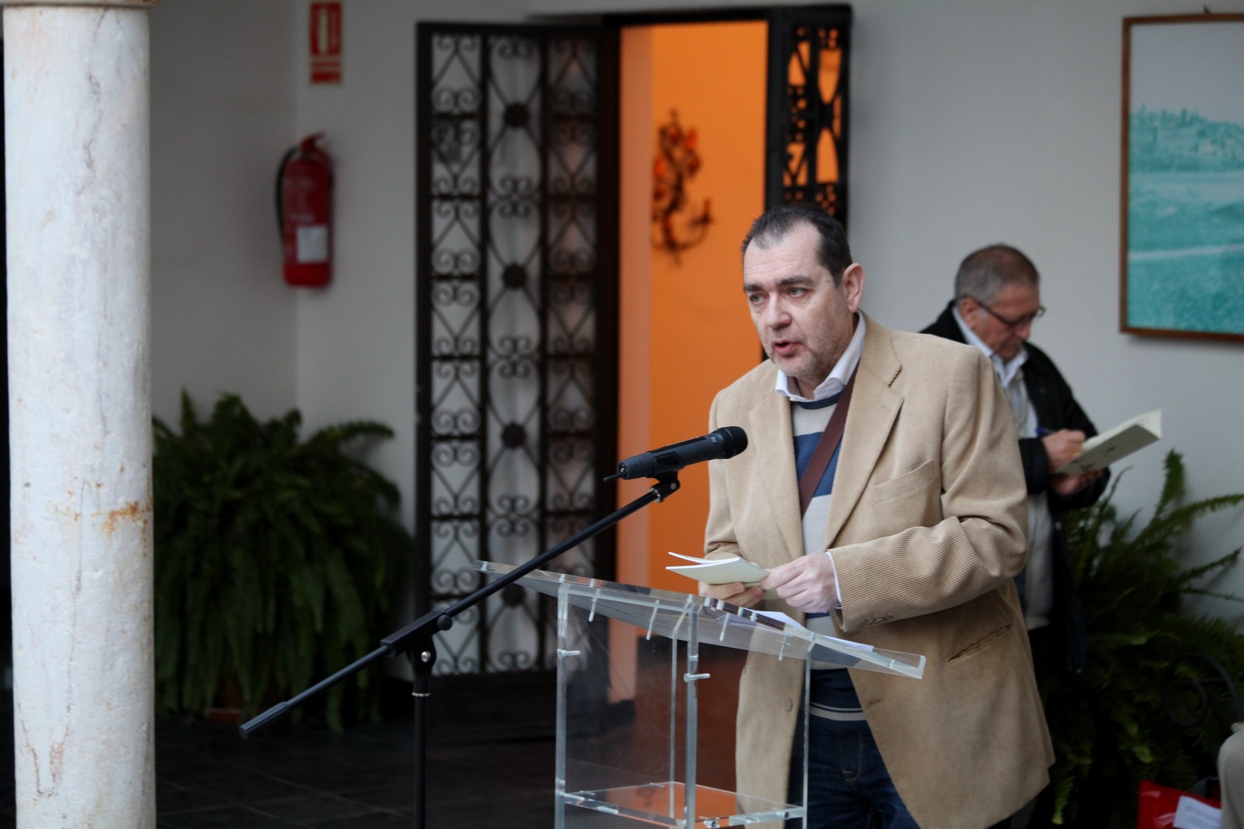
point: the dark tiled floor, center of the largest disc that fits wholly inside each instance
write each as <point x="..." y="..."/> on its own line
<point x="207" y="777"/>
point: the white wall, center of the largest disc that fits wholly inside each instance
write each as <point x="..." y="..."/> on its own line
<point x="356" y="338"/>
<point x="222" y="113"/>
<point x="972" y="122"/>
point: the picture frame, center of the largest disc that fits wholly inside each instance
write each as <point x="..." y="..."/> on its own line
<point x="1181" y="257"/>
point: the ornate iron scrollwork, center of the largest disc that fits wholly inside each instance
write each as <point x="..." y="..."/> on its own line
<point x="510" y="377"/>
<point x="809" y="62"/>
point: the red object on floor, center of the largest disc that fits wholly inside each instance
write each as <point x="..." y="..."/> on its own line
<point x="1159" y="803"/>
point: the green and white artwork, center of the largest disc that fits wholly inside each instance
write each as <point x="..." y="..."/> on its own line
<point x="1184" y="270"/>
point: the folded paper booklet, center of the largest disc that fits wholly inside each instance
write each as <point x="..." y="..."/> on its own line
<point x="719" y="570"/>
<point x="1121" y="441"/>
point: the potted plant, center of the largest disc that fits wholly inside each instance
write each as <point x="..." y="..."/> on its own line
<point x="277" y="560"/>
<point x="1123" y="719"/>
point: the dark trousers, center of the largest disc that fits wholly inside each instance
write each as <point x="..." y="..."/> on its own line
<point x="849" y="786"/>
<point x="827" y="787"/>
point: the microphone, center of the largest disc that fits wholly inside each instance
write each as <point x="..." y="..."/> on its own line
<point x="725" y="442"/>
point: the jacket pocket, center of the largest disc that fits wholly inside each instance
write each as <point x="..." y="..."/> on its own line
<point x="973" y="648"/>
<point x="920" y="479"/>
<point x="979" y="625"/>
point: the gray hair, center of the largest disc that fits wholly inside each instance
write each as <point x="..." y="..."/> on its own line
<point x="985" y="272"/>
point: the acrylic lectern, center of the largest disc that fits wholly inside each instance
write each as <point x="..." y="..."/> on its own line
<point x="647" y="689"/>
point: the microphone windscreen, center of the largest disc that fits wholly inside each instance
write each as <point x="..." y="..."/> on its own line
<point x="734" y="440"/>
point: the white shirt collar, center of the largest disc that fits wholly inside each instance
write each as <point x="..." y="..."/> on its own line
<point x="1006" y="369"/>
<point x="838" y="377"/>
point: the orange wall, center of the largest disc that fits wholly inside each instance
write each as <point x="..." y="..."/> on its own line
<point x="685" y="332"/>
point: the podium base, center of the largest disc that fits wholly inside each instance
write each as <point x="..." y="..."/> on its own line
<point x="663" y="804"/>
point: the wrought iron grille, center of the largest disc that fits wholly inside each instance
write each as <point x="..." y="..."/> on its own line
<point x="516" y="315"/>
<point x="809" y="79"/>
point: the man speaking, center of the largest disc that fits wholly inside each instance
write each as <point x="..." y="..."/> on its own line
<point x="883" y="491"/>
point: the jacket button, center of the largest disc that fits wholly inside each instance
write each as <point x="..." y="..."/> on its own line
<point x="788" y="705"/>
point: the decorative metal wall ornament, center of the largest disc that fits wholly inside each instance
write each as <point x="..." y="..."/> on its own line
<point x="676" y="224"/>
<point x="516" y="323"/>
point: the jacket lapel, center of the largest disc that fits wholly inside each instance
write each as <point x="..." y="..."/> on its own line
<point x="874" y="406"/>
<point x="781" y="486"/>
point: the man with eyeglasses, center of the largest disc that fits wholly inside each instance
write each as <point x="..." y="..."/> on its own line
<point x="997" y="300"/>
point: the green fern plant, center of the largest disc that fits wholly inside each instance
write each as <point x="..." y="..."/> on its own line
<point x="276" y="560"/>
<point x="1112" y="726"/>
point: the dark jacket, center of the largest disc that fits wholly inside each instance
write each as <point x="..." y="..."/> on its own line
<point x="1056" y="409"/>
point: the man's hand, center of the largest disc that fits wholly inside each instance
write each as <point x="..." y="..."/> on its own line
<point x="736" y="593"/>
<point x="807" y="583"/>
<point x="1067" y="485"/>
<point x="1063" y="447"/>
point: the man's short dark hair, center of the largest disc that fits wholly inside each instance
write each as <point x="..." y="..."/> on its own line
<point x="776" y="223"/>
<point x="987" y="271"/>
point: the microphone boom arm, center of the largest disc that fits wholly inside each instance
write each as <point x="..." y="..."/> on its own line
<point x="421" y="631"/>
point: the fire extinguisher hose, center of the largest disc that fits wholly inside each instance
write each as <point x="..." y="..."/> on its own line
<point x="280" y="174"/>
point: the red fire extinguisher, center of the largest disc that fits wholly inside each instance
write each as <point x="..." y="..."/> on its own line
<point x="304" y="203"/>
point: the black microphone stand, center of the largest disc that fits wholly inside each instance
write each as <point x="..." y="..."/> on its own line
<point x="416" y="640"/>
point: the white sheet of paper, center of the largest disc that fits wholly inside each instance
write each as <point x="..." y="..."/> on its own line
<point x="1104" y="449"/>
<point x="719" y="570"/>
<point x="779" y="616"/>
<point x="1193" y="814"/>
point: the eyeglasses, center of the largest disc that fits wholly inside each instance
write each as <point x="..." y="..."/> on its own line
<point x="1017" y="322"/>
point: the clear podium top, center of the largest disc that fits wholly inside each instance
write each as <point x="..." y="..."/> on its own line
<point x="666" y="613"/>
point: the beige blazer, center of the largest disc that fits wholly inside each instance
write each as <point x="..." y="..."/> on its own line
<point x="927" y="526"/>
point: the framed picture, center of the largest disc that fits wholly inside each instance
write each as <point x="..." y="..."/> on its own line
<point x="1182" y="213"/>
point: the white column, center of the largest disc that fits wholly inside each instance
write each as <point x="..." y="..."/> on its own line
<point x="77" y="189"/>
